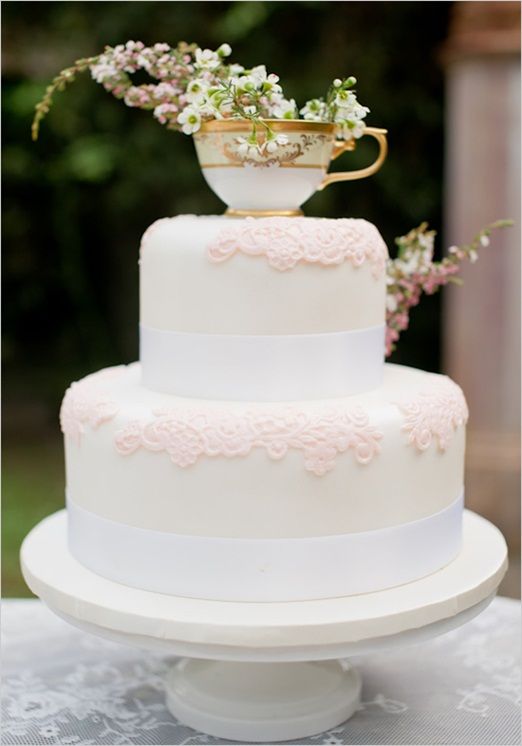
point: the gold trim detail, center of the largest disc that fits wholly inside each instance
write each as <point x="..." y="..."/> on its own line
<point x="281" y="165"/>
<point x="288" y="125"/>
<point x="232" y="213"/>
<point x="380" y="135"/>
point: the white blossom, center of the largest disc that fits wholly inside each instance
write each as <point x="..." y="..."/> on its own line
<point x="282" y="108"/>
<point x="243" y="146"/>
<point x="246" y="82"/>
<point x="409" y="264"/>
<point x="206" y="59"/>
<point x="273" y="142"/>
<point x="351" y="130"/>
<point x="359" y="111"/>
<point x="196" y="90"/>
<point x="271" y="85"/>
<point x="314" y="110"/>
<point x="225" y="50"/>
<point x="351" y="114"/>
<point x="345" y="99"/>
<point x="258" y="74"/>
<point x="235" y="70"/>
<point x="190" y="118"/>
<point x="248" y="147"/>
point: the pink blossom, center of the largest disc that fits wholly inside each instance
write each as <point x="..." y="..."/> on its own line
<point x="401" y="321"/>
<point x="414" y="272"/>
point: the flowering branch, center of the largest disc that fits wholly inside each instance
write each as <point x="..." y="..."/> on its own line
<point x="341" y="106"/>
<point x="196" y="85"/>
<point x="414" y="272"/>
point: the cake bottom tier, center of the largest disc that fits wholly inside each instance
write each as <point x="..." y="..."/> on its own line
<point x="264" y="502"/>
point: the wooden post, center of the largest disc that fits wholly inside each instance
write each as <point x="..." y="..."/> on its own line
<point x="481" y="321"/>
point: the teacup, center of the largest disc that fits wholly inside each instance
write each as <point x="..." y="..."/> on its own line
<point x="275" y="183"/>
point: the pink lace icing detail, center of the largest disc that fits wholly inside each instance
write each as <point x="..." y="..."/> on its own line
<point x="188" y="435"/>
<point x="286" y="242"/>
<point x="434" y="415"/>
<point x="86" y="403"/>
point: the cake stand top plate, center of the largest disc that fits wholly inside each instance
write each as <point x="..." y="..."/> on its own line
<point x="211" y="628"/>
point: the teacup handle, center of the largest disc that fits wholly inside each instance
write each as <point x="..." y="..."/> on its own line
<point x="341" y="146"/>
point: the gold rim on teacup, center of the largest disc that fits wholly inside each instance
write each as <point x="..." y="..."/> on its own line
<point x="277" y="125"/>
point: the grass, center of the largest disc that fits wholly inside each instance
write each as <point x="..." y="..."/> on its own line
<point x="33" y="487"/>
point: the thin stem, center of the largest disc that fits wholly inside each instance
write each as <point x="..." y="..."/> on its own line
<point x="64" y="78"/>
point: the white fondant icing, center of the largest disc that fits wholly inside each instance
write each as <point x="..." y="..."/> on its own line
<point x="254" y="496"/>
<point x="182" y="290"/>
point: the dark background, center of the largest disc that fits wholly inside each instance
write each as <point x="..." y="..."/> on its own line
<point x="77" y="202"/>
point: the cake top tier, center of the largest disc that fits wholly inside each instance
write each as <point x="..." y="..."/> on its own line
<point x="262" y="276"/>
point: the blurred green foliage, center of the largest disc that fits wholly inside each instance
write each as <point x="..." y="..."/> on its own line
<point x="33" y="484"/>
<point x="77" y="201"/>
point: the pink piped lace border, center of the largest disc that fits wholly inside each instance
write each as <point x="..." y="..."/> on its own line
<point x="86" y="403"/>
<point x="187" y="436"/>
<point x="286" y="242"/>
<point x="433" y="416"/>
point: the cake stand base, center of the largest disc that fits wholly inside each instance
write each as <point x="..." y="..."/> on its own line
<point x="265" y="672"/>
<point x="262" y="702"/>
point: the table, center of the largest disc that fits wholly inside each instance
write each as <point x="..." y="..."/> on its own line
<point x="63" y="686"/>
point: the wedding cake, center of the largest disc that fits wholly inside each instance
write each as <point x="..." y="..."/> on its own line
<point x="261" y="450"/>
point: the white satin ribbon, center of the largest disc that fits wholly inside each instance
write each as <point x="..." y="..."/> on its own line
<point x="262" y="367"/>
<point x="229" y="569"/>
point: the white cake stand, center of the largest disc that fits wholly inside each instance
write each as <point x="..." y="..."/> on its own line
<point x="264" y="672"/>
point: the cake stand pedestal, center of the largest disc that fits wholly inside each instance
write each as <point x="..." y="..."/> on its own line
<point x="264" y="672"/>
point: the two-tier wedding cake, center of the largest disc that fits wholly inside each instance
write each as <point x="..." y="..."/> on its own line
<point x="261" y="450"/>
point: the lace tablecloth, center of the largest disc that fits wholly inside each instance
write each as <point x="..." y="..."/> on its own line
<point x="63" y="686"/>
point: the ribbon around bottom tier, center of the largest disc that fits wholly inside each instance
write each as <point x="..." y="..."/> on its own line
<point x="265" y="570"/>
<point x="271" y="367"/>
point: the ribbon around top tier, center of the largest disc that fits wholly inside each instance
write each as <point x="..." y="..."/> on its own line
<point x="265" y="570"/>
<point x="262" y="367"/>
